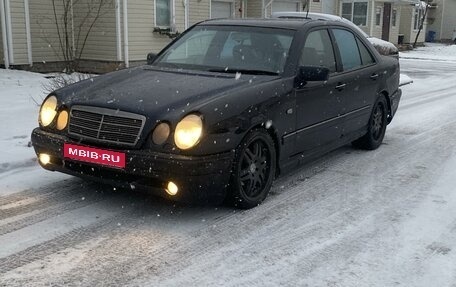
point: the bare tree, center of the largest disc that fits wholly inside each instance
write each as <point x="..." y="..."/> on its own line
<point x="74" y="26"/>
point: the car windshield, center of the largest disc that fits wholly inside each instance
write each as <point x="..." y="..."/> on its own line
<point x="230" y="49"/>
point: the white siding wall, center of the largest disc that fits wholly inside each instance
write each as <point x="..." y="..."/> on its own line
<point x="199" y="10"/>
<point x="101" y="43"/>
<point x="406" y="26"/>
<point x="372" y="29"/>
<point x="442" y="19"/>
<point x="2" y="58"/>
<point x="238" y="5"/>
<point x="45" y="40"/>
<point x="19" y="33"/>
<point x="254" y="8"/>
<point x="435" y="18"/>
<point x="394" y="31"/>
<point x="315" y="6"/>
<point x="180" y="15"/>
<point x="141" y="23"/>
<point x="449" y="18"/>
<point x="376" y="30"/>
<point x="406" y="23"/>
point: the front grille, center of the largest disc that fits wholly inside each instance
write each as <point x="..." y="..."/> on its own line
<point x="105" y="125"/>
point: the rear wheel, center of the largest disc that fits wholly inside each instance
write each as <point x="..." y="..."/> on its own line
<point x="254" y="169"/>
<point x="376" y="127"/>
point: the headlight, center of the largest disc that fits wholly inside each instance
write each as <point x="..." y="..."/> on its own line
<point x="48" y="111"/>
<point x="161" y="133"/>
<point x="62" y="120"/>
<point x="188" y="131"/>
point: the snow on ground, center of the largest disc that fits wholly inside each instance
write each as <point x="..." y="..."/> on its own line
<point x="432" y="52"/>
<point x="352" y="218"/>
<point x="21" y="94"/>
<point x="404" y="80"/>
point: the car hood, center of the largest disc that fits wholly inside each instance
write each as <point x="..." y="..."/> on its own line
<point x="150" y="91"/>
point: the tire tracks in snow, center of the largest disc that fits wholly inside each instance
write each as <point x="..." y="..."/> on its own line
<point x="320" y="249"/>
<point x="8" y="167"/>
<point x="39" y="202"/>
<point x="180" y="251"/>
<point x="62" y="242"/>
<point x="36" y="216"/>
<point x="170" y="250"/>
<point x="427" y="99"/>
<point x="200" y="242"/>
<point x="46" y="190"/>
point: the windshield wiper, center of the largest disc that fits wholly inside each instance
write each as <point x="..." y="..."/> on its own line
<point x="244" y="71"/>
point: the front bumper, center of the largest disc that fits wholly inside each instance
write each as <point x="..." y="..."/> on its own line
<point x="199" y="178"/>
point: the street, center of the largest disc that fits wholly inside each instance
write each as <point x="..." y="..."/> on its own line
<point x="351" y="218"/>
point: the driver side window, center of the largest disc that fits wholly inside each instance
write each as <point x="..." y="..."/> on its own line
<point x="318" y="51"/>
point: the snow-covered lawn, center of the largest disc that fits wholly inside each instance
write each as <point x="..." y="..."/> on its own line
<point x="21" y="93"/>
<point x="352" y="218"/>
<point x="432" y="52"/>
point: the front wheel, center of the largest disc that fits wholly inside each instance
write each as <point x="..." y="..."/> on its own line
<point x="376" y="126"/>
<point x="254" y="169"/>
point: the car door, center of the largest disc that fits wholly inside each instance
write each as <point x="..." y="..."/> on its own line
<point x="318" y="104"/>
<point x="361" y="74"/>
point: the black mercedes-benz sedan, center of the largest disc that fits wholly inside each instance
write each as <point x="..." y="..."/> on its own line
<point x="223" y="110"/>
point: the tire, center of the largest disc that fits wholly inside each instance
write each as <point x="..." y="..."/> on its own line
<point x="376" y="126"/>
<point x="254" y="170"/>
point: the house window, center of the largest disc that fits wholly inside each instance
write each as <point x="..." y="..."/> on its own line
<point x="355" y="12"/>
<point x="163" y="13"/>
<point x="417" y="15"/>
<point x="394" y="17"/>
<point x="347" y="10"/>
<point x="378" y="15"/>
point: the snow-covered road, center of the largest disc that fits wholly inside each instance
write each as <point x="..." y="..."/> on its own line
<point x="351" y="218"/>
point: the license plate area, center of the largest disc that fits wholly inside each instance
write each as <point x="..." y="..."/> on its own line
<point x="94" y="155"/>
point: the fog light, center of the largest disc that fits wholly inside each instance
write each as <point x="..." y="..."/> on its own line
<point x="44" y="158"/>
<point x="172" y="188"/>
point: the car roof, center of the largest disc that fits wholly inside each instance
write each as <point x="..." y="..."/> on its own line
<point x="316" y="16"/>
<point x="270" y="23"/>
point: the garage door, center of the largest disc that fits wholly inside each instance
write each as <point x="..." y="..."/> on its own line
<point x="282" y="6"/>
<point x="220" y="9"/>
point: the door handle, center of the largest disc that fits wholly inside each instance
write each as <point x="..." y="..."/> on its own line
<point x="374" y="76"/>
<point x="340" y="86"/>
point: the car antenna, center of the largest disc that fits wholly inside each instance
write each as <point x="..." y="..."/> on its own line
<point x="307" y="7"/>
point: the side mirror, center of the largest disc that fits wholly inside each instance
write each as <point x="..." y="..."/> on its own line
<point x="311" y="74"/>
<point x="151" y="58"/>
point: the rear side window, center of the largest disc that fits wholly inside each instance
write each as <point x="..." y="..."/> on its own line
<point x="348" y="49"/>
<point x="366" y="56"/>
<point x="318" y="51"/>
